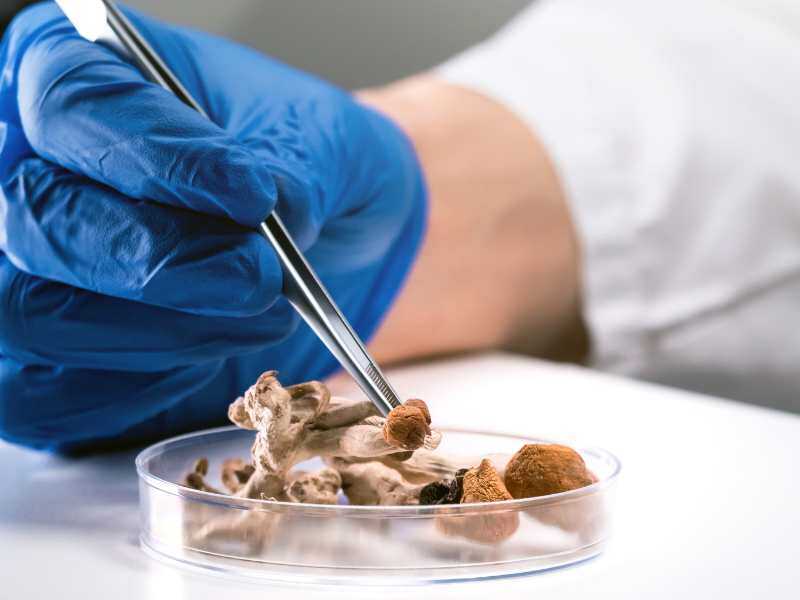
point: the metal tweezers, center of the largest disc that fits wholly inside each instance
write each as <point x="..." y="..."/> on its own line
<point x="102" y="21"/>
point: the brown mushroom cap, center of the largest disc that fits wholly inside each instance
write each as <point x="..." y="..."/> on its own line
<point x="542" y="469"/>
<point x="406" y="427"/>
<point x="483" y="484"/>
<point x="420" y="404"/>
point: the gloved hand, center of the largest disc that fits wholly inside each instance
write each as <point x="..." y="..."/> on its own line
<point x="137" y="300"/>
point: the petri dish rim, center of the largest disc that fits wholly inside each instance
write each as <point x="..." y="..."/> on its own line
<point x="354" y="511"/>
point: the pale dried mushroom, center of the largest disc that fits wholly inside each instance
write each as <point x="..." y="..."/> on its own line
<point x="373" y="461"/>
<point x="373" y="483"/>
<point x="234" y="473"/>
<point x="321" y="487"/>
<point x="301" y="422"/>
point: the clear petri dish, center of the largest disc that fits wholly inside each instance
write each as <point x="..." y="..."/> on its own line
<point x="364" y="545"/>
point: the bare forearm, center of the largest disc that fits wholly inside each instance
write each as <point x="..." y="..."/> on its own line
<point x="499" y="266"/>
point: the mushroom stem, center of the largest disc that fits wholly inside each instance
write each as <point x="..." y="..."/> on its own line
<point x="344" y="411"/>
<point x="364" y="439"/>
<point x="235" y="473"/>
<point x="196" y="478"/>
<point x="373" y="483"/>
<point x="424" y="466"/>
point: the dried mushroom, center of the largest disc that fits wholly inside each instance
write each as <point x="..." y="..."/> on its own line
<point x="482" y="484"/>
<point x="543" y="469"/>
<point x="408" y="425"/>
<point x="321" y="487"/>
<point x="301" y="422"/>
<point x="445" y="491"/>
<point x="235" y="473"/>
<point x="373" y="483"/>
<point x="372" y="461"/>
<point x="420" y="404"/>
<point x="195" y="479"/>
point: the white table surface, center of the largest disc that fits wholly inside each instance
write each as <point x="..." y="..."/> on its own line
<point x="708" y="506"/>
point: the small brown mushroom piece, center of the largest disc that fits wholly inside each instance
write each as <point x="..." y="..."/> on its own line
<point x="408" y="425"/>
<point x="482" y="484"/>
<point x="422" y="405"/>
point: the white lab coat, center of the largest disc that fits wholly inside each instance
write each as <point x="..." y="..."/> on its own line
<point x="675" y="130"/>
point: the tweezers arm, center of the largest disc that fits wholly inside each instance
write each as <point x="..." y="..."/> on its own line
<point x="311" y="300"/>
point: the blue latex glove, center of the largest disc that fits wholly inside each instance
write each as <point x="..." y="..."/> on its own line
<point x="136" y="299"/>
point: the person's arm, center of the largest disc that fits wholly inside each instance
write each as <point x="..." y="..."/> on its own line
<point x="499" y="266"/>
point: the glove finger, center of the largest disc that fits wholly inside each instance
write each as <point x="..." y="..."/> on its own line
<point x="43" y="322"/>
<point x="64" y="227"/>
<point x="84" y="108"/>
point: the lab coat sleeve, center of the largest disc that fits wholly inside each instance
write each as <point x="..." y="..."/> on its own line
<point x="675" y="131"/>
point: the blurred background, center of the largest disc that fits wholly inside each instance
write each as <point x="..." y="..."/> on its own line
<point x="332" y="39"/>
<point x="354" y="43"/>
